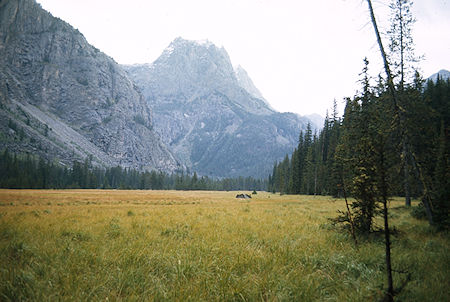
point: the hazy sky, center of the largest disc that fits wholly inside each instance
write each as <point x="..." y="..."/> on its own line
<point x="300" y="54"/>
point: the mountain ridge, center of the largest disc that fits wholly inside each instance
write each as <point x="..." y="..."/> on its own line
<point x="66" y="99"/>
<point x="213" y="124"/>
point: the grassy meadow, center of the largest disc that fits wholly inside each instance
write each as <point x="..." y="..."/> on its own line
<point x="96" y="245"/>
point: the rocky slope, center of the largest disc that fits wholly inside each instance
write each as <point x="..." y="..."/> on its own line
<point x="213" y="118"/>
<point x="62" y="98"/>
<point x="246" y="82"/>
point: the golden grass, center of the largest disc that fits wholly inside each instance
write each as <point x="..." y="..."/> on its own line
<point x="92" y="245"/>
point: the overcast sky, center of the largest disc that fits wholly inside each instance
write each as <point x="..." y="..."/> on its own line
<point x="300" y="54"/>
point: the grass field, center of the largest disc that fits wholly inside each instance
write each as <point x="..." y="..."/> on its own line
<point x="94" y="245"/>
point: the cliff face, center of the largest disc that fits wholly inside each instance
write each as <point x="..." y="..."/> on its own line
<point x="60" y="97"/>
<point x="206" y="114"/>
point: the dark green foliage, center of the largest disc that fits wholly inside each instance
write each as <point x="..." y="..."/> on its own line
<point x="25" y="171"/>
<point x="310" y="168"/>
<point x="346" y="153"/>
<point x="364" y="153"/>
<point x="441" y="193"/>
<point x="419" y="212"/>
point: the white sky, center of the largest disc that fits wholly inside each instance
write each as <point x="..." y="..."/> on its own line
<point x="300" y="54"/>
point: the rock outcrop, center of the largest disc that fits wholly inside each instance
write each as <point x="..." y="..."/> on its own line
<point x="62" y="98"/>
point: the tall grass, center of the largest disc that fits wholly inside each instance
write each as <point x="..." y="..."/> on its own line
<point x="89" y="245"/>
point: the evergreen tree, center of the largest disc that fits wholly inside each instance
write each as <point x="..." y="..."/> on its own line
<point x="401" y="46"/>
<point x="358" y="154"/>
<point x="294" y="180"/>
<point x="441" y="196"/>
<point x="402" y="57"/>
<point x="332" y="177"/>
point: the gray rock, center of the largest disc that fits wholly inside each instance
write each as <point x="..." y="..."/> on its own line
<point x="210" y="120"/>
<point x="246" y="82"/>
<point x="52" y="78"/>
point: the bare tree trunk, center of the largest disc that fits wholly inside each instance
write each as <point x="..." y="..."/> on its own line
<point x="387" y="240"/>
<point x="387" y="235"/>
<point x="349" y="213"/>
<point x="383" y="54"/>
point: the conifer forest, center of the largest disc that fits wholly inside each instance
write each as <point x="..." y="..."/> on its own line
<point x="344" y="157"/>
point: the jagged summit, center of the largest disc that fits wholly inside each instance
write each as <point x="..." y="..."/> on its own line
<point x="193" y="65"/>
<point x="211" y="115"/>
<point x="198" y="48"/>
<point x="180" y="41"/>
<point x="188" y="69"/>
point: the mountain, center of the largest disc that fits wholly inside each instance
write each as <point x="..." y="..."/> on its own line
<point x="316" y="120"/>
<point x="211" y="116"/>
<point x="443" y="74"/>
<point x="245" y="82"/>
<point x="63" y="99"/>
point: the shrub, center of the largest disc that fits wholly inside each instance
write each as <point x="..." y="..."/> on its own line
<point x="419" y="212"/>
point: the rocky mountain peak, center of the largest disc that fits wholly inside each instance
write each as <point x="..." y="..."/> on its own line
<point x="189" y="69"/>
<point x="213" y="117"/>
<point x="197" y="48"/>
<point x="193" y="65"/>
<point x="67" y="99"/>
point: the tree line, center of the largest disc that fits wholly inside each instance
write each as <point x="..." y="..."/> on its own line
<point x="308" y="170"/>
<point x="343" y="156"/>
<point x="24" y="171"/>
